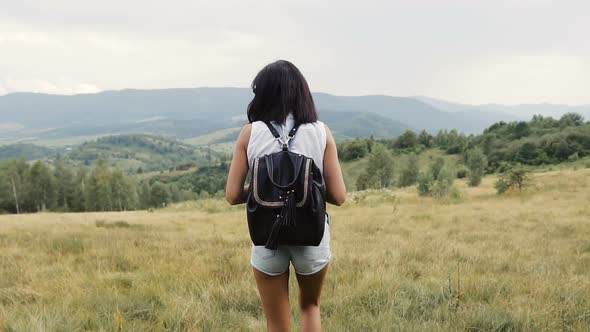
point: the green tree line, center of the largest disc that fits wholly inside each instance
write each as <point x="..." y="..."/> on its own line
<point x="541" y="141"/>
<point x="501" y="147"/>
<point x="39" y="186"/>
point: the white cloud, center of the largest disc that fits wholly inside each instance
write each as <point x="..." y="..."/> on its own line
<point x="62" y="87"/>
<point x="473" y="51"/>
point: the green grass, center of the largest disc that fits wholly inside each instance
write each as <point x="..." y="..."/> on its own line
<point x="516" y="262"/>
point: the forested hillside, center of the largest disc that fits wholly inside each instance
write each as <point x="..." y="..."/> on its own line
<point x="190" y="113"/>
<point x="541" y="141"/>
<point x="143" y="153"/>
<point x="84" y="181"/>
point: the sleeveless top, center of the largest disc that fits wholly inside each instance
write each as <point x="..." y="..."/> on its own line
<point x="309" y="140"/>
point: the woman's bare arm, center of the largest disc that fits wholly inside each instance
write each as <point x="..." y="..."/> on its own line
<point x="335" y="188"/>
<point x="235" y="191"/>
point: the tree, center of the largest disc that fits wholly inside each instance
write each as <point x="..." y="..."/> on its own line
<point x="99" y="188"/>
<point x="145" y="195"/>
<point x="455" y="142"/>
<point x="80" y="190"/>
<point x="425" y="139"/>
<point x="41" y="184"/>
<point x="119" y="191"/>
<point x="159" y="195"/>
<point x="409" y="174"/>
<point x="379" y="170"/>
<point x="436" y="166"/>
<point x="407" y="140"/>
<point x="175" y="195"/>
<point x="15" y="175"/>
<point x="380" y="166"/>
<point x="521" y="130"/>
<point x="65" y="187"/>
<point x="354" y="149"/>
<point x="571" y="119"/>
<point x="477" y="163"/>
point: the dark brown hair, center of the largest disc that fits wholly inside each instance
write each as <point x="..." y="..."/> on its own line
<point x="280" y="88"/>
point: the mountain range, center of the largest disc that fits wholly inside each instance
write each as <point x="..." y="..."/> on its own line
<point x="189" y="113"/>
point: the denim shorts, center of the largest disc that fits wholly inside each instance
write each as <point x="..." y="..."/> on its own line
<point x="306" y="260"/>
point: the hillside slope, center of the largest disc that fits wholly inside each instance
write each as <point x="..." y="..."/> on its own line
<point x="186" y="113"/>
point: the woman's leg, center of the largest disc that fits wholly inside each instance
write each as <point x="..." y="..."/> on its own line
<point x="274" y="293"/>
<point x="310" y="289"/>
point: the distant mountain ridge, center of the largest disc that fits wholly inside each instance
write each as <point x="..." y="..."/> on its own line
<point x="520" y="111"/>
<point x="192" y="112"/>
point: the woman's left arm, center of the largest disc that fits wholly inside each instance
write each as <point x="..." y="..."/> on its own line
<point x="235" y="191"/>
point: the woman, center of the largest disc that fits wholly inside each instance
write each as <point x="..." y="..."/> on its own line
<point x="282" y="96"/>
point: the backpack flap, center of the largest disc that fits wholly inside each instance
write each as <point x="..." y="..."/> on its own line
<point x="280" y="174"/>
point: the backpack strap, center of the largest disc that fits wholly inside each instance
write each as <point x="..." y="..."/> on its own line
<point x="275" y="133"/>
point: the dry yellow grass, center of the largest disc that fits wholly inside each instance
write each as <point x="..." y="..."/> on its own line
<point x="483" y="262"/>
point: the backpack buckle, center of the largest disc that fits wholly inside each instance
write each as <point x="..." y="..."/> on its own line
<point x="284" y="143"/>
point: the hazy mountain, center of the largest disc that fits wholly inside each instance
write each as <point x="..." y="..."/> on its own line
<point x="361" y="124"/>
<point x="187" y="113"/>
<point x="520" y="112"/>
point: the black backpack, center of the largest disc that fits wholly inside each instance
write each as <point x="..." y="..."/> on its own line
<point x="287" y="198"/>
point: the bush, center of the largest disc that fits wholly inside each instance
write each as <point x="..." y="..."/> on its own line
<point x="439" y="187"/>
<point x="462" y="172"/>
<point x="355" y="149"/>
<point x="424" y="183"/>
<point x="379" y="171"/>
<point x="477" y="163"/>
<point x="410" y="172"/>
<point x="443" y="185"/>
<point x="408" y="140"/>
<point x="436" y="166"/>
<point x="516" y="177"/>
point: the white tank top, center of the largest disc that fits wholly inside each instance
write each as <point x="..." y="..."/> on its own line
<point x="309" y="140"/>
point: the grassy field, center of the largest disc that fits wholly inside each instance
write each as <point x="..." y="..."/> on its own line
<point x="484" y="262"/>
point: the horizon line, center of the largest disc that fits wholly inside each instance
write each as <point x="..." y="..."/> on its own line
<point x="416" y="97"/>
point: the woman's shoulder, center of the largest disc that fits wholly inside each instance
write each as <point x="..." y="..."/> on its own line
<point x="318" y="126"/>
<point x="244" y="136"/>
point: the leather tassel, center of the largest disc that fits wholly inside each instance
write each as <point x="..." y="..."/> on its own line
<point x="273" y="239"/>
<point x="289" y="210"/>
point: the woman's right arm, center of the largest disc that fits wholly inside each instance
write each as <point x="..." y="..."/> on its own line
<point x="335" y="188"/>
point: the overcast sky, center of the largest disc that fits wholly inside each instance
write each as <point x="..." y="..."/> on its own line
<point x="473" y="51"/>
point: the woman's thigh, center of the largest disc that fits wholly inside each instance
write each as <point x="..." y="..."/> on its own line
<point x="274" y="293"/>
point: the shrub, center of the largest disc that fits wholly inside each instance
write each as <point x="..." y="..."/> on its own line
<point x="477" y="163"/>
<point x="439" y="187"/>
<point x="516" y="177"/>
<point x="407" y="140"/>
<point x="410" y="172"/>
<point x="443" y="185"/>
<point x="436" y="166"/>
<point x="424" y="183"/>
<point x="379" y="171"/>
<point x="462" y="172"/>
<point x="354" y="149"/>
